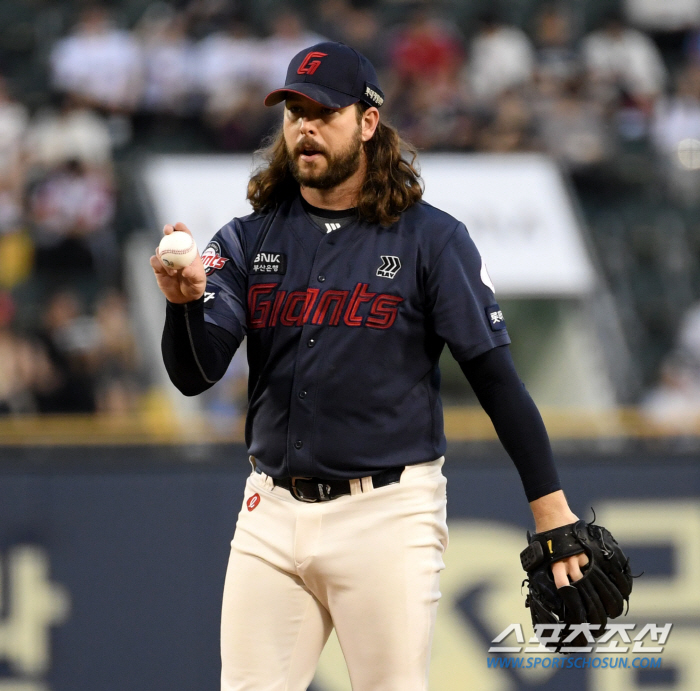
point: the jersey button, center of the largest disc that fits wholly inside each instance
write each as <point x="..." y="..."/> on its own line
<point x="302" y="393"/>
<point x="321" y="278"/>
<point x="311" y="343"/>
<point x="298" y="444"/>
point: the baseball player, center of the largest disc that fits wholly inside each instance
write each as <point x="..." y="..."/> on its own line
<point x="347" y="286"/>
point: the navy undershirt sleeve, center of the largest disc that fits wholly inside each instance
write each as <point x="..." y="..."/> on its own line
<point x="196" y="354"/>
<point x="516" y="419"/>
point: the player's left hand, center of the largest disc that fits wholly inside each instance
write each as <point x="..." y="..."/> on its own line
<point x="589" y="583"/>
<point x="552" y="511"/>
<point x="566" y="571"/>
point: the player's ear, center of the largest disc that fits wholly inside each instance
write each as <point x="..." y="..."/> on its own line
<point x="369" y="122"/>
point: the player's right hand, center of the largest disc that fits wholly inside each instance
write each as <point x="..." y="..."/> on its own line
<point x="180" y="285"/>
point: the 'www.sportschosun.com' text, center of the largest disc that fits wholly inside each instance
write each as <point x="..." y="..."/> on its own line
<point x="532" y="662"/>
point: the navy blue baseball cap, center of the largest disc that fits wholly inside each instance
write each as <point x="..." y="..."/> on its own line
<point x="331" y="74"/>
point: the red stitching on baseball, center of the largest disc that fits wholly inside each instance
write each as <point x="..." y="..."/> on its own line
<point x="185" y="251"/>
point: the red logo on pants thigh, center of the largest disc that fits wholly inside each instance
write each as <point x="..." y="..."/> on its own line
<point x="253" y="501"/>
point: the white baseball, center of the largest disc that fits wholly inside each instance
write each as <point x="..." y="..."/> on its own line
<point x="177" y="250"/>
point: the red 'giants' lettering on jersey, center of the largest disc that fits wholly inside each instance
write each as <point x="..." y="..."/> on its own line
<point x="212" y="259"/>
<point x="293" y="310"/>
<point x="258" y="305"/>
<point x="382" y="313"/>
<point x="359" y="296"/>
<point x="301" y="307"/>
<point x="337" y="298"/>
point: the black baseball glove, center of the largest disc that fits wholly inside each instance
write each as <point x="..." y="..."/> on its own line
<point x="601" y="593"/>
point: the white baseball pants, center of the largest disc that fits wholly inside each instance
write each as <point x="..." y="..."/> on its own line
<point x="367" y="564"/>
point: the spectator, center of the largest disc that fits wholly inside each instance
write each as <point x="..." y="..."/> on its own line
<point x="245" y="123"/>
<point x="511" y="127"/>
<point x="69" y="337"/>
<point x="206" y="17"/>
<point x="572" y="127"/>
<point x="73" y="198"/>
<point x="556" y="58"/>
<point x="358" y="27"/>
<point x="99" y="63"/>
<point x="289" y="36"/>
<point x="678" y="117"/>
<point x="20" y="362"/>
<point x="116" y="359"/>
<point x="10" y="209"/>
<point x="624" y="59"/>
<point x="502" y="59"/>
<point x="676" y="136"/>
<point x="15" y="246"/>
<point x="691" y="47"/>
<point x="664" y="16"/>
<point x="436" y="114"/>
<point x="425" y="49"/>
<point x="675" y="401"/>
<point x="72" y="209"/>
<point x="363" y="31"/>
<point x="332" y="17"/>
<point x="169" y="57"/>
<point x="228" y="63"/>
<point x="14" y="120"/>
<point x="426" y="97"/>
<point x="69" y="132"/>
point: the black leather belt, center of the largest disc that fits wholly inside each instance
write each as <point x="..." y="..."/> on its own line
<point x="314" y="489"/>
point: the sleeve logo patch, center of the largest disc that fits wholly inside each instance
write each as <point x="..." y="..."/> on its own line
<point x="212" y="259"/>
<point x="210" y="296"/>
<point x="496" y="320"/>
<point x="269" y="263"/>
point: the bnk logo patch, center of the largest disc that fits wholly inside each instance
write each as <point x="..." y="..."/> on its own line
<point x="270" y="263"/>
<point x="495" y="317"/>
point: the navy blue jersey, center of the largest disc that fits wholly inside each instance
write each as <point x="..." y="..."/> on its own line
<point x="345" y="330"/>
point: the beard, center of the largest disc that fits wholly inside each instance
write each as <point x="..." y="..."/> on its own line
<point x="339" y="167"/>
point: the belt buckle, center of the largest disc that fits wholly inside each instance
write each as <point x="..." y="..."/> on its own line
<point x="296" y="493"/>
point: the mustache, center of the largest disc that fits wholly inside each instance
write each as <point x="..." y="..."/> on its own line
<point x="308" y="144"/>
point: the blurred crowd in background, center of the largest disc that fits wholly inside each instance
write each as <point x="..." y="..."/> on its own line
<point x="86" y="89"/>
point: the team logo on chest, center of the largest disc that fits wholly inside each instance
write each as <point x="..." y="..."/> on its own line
<point x="390" y="266"/>
<point x="270" y="307"/>
<point x="269" y="263"/>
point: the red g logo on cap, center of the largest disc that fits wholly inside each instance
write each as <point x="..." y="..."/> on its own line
<point x="253" y="501"/>
<point x="309" y="65"/>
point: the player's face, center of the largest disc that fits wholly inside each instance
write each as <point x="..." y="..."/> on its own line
<point x="324" y="145"/>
